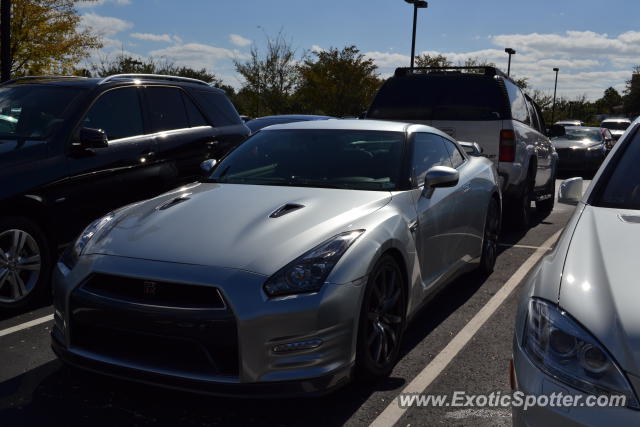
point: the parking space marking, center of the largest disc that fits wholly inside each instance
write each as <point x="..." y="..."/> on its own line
<point x="26" y="325"/>
<point x="509" y="245"/>
<point x="393" y="412"/>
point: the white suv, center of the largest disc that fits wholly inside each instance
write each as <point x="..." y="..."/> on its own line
<point x="616" y="126"/>
<point x="482" y="105"/>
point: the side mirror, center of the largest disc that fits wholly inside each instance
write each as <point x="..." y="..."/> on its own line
<point x="208" y="165"/>
<point x="439" y="176"/>
<point x="93" y="138"/>
<point x="571" y="191"/>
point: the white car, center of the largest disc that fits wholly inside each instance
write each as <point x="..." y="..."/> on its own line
<point x="616" y="126"/>
<point x="578" y="323"/>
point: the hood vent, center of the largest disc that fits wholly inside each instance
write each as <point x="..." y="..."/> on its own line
<point x="631" y="219"/>
<point x="174" y="201"/>
<point x="285" y="209"/>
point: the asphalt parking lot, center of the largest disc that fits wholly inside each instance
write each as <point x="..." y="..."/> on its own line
<point x="36" y="389"/>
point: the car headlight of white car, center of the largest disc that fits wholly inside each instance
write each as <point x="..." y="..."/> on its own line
<point x="563" y="349"/>
<point x="308" y="272"/>
<point x="74" y="251"/>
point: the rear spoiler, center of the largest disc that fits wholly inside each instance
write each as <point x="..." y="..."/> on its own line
<point x="472" y="148"/>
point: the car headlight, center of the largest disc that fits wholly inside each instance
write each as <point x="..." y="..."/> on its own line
<point x="562" y="348"/>
<point x="308" y="273"/>
<point x="74" y="251"/>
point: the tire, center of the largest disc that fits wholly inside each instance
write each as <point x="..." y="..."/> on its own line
<point x="521" y="206"/>
<point x="382" y="321"/>
<point x="490" y="238"/>
<point x="25" y="262"/>
<point x="546" y="206"/>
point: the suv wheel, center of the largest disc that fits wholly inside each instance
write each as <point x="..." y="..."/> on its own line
<point x="521" y="206"/>
<point x="382" y="321"/>
<point x="490" y="240"/>
<point x="25" y="262"/>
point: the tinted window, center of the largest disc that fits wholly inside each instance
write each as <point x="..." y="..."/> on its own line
<point x="622" y="189"/>
<point x="518" y="102"/>
<point x="166" y="109"/>
<point x="218" y="108"/>
<point x="615" y="125"/>
<point x="454" y="153"/>
<point x="195" y="116"/>
<point x="117" y="112"/>
<point x="31" y="111"/>
<point x="428" y="151"/>
<point x="535" y="123"/>
<point x="362" y="160"/>
<point x="439" y="97"/>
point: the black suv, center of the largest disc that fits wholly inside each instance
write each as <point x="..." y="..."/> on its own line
<point x="72" y="149"/>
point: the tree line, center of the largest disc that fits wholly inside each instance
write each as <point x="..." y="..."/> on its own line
<point x="47" y="38"/>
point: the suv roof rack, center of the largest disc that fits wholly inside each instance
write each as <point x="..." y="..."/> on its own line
<point x="152" y="77"/>
<point x="482" y="69"/>
<point x="17" y="79"/>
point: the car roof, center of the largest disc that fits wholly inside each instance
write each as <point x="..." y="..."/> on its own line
<point x="296" y="117"/>
<point x="617" y="119"/>
<point x="90" y="82"/>
<point x="355" y="124"/>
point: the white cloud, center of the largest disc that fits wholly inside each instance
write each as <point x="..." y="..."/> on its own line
<point x="152" y="37"/>
<point x="96" y="3"/>
<point x="238" y="40"/>
<point x="105" y="25"/>
<point x="316" y="48"/>
<point x="197" y="55"/>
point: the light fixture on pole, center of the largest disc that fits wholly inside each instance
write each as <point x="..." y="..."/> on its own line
<point x="510" y="52"/>
<point x="417" y="4"/>
<point x="555" y="88"/>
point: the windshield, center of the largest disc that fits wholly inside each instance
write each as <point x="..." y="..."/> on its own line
<point x="616" y="125"/>
<point x="577" y="134"/>
<point x="622" y="188"/>
<point x="439" y="97"/>
<point x="360" y="160"/>
<point x="31" y="111"/>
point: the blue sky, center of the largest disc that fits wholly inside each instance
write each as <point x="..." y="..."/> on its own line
<point x="595" y="43"/>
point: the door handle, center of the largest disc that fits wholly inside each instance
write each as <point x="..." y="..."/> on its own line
<point x="147" y="155"/>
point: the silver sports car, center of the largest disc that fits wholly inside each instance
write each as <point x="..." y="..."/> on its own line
<point x="297" y="262"/>
<point x="578" y="324"/>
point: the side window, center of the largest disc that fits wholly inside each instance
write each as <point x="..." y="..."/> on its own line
<point x="535" y="123"/>
<point x="543" y="125"/>
<point x="166" y="108"/>
<point x="117" y="112"/>
<point x="456" y="157"/>
<point x="195" y="116"/>
<point x="519" y="110"/>
<point x="428" y="151"/>
<point x="218" y="107"/>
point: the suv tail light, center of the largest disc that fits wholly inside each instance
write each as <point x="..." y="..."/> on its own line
<point x="507" y="146"/>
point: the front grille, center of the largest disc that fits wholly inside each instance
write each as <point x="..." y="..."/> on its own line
<point x="176" y="340"/>
<point x="154" y="293"/>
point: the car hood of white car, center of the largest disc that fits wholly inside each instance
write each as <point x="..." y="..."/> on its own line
<point x="600" y="281"/>
<point x="231" y="225"/>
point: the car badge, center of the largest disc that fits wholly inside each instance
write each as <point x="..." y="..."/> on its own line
<point x="150" y="289"/>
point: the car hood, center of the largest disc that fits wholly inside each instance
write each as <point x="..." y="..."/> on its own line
<point x="229" y="225"/>
<point x="572" y="143"/>
<point x="600" y="280"/>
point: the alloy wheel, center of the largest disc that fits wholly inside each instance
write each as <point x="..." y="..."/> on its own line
<point x="385" y="316"/>
<point x="491" y="232"/>
<point x="20" y="265"/>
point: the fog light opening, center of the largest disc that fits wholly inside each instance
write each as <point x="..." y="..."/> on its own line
<point x="296" y="346"/>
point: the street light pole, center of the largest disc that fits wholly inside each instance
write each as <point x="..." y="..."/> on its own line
<point x="510" y="52"/>
<point x="555" y="88"/>
<point x="417" y="4"/>
<point x="5" y="40"/>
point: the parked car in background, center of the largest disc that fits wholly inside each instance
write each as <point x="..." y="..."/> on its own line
<point x="582" y="149"/>
<point x="482" y="105"/>
<point x="301" y="259"/>
<point x="577" y="325"/>
<point x="617" y="126"/>
<point x="72" y="149"/>
<point x="569" y="123"/>
<point x="261" y="122"/>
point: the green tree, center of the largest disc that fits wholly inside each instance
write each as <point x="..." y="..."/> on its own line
<point x="46" y="37"/>
<point x="632" y="94"/>
<point x="269" y="79"/>
<point x="337" y="82"/>
<point x="609" y="101"/>
<point x="426" y="60"/>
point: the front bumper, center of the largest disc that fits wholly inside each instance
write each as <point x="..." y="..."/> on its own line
<point x="220" y="351"/>
<point x="570" y="159"/>
<point x="532" y="381"/>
